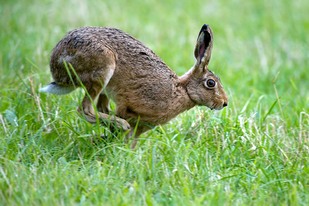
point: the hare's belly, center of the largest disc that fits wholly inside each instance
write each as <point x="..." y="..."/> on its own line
<point x="146" y="114"/>
<point x="154" y="111"/>
<point x="149" y="104"/>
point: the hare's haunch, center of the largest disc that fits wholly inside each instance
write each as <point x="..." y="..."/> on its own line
<point x="111" y="64"/>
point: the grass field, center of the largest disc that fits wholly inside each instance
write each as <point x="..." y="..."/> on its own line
<point x="254" y="152"/>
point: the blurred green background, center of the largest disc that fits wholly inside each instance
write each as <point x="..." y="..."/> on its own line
<point x="256" y="150"/>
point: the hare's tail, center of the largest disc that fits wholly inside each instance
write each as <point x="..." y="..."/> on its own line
<point x="54" y="88"/>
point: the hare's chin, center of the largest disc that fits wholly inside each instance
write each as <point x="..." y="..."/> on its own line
<point x="219" y="108"/>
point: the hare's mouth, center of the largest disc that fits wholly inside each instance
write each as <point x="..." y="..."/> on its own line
<point x="215" y="106"/>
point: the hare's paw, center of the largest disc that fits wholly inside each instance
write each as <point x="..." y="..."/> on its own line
<point x="115" y="123"/>
<point x="123" y="124"/>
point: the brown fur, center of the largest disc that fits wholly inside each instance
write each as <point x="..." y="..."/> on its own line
<point x="113" y="65"/>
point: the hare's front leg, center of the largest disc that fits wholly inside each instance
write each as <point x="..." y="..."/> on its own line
<point x="135" y="133"/>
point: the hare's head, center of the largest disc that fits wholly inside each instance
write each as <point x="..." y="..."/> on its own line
<point x="203" y="86"/>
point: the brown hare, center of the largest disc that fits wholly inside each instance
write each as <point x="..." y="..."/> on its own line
<point x="110" y="64"/>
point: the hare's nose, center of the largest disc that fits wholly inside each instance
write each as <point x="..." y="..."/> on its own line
<point x="224" y="104"/>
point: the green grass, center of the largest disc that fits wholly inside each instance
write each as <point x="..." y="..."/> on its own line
<point x="254" y="152"/>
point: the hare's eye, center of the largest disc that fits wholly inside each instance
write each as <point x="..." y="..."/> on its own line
<point x="210" y="83"/>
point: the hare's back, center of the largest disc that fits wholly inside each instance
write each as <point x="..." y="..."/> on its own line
<point x="89" y="48"/>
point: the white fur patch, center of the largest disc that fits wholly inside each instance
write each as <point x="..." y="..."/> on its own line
<point x="109" y="73"/>
<point x="53" y="88"/>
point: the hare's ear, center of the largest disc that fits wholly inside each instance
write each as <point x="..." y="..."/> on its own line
<point x="203" y="47"/>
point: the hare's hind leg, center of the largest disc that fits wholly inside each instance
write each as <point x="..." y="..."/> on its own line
<point x="93" y="90"/>
<point x="88" y="111"/>
<point x="103" y="103"/>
